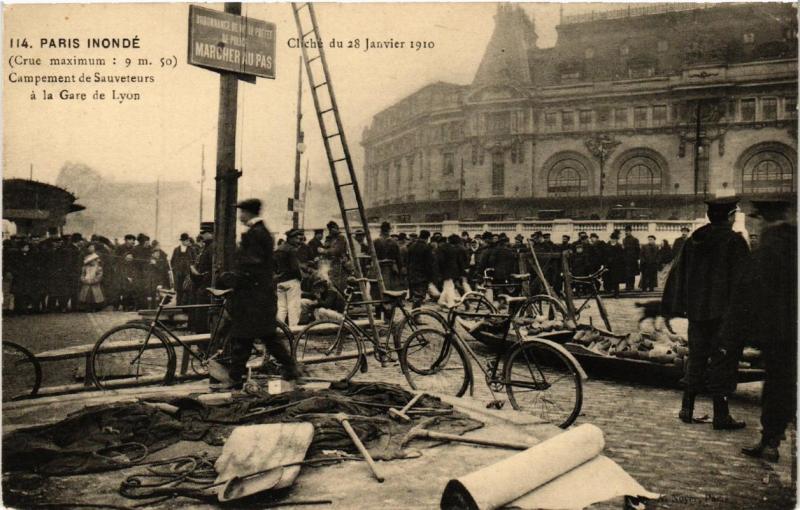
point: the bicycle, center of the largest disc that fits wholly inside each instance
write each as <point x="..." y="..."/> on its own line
<point x="591" y="284"/>
<point x="335" y="349"/>
<point x="22" y="372"/>
<point x="139" y="354"/>
<point x="537" y="374"/>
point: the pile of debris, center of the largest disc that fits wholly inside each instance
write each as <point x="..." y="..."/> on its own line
<point x="348" y="420"/>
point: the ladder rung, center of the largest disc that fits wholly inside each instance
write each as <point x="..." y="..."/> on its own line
<point x="314" y="58"/>
<point x="321" y="84"/>
<point x="339" y="160"/>
<point x="352" y="209"/>
<point x="323" y="112"/>
<point x="297" y="9"/>
<point x="306" y="34"/>
<point x="345" y="184"/>
<point x="333" y="135"/>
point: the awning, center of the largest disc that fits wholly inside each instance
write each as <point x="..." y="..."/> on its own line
<point x="26" y="214"/>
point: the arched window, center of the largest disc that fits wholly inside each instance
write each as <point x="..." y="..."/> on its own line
<point x="566" y="181"/>
<point x="768" y="171"/>
<point x="567" y="174"/>
<point x="639" y="174"/>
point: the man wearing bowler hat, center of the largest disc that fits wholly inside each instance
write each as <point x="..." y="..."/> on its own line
<point x="700" y="287"/>
<point x="253" y="302"/>
<point x="766" y="314"/>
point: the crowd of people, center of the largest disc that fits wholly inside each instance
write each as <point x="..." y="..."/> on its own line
<point x="311" y="275"/>
<point x="70" y="273"/>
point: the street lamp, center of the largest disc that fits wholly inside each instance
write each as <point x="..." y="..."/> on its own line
<point x="600" y="147"/>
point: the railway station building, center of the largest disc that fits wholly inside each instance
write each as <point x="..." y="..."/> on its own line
<point x="648" y="110"/>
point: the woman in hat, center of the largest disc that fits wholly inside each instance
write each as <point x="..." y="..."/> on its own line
<point x="91" y="295"/>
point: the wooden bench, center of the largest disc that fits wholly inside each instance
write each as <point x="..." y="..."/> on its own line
<point x="85" y="350"/>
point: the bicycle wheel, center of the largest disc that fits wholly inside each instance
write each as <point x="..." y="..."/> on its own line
<point x="542" y="306"/>
<point x="539" y="379"/>
<point x="433" y="362"/>
<point x="328" y="350"/>
<point x="418" y="318"/>
<point x="125" y="356"/>
<point x="22" y="373"/>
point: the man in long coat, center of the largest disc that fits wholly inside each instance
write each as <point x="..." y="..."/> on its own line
<point x="388" y="253"/>
<point x="422" y="268"/>
<point x="182" y="258"/>
<point x="649" y="265"/>
<point x="700" y="287"/>
<point x="631" y="248"/>
<point x="765" y="312"/>
<point x="254" y="304"/>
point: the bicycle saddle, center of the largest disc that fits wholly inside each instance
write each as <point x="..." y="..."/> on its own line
<point x="219" y="292"/>
<point x="523" y="276"/>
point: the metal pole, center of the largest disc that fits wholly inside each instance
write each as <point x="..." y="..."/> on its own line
<point x="602" y="182"/>
<point x="158" y="185"/>
<point x="697" y="149"/>
<point x="299" y="140"/>
<point x="226" y="174"/>
<point x="305" y="198"/>
<point x="460" y="192"/>
<point x="202" y="180"/>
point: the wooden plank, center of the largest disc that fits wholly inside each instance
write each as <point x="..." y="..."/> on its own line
<point x="77" y="351"/>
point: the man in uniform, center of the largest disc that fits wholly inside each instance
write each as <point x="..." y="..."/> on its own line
<point x="253" y="303"/>
<point x="700" y="288"/>
<point x="288" y="275"/>
<point x="766" y="312"/>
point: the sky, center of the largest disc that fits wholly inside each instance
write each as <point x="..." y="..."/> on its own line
<point x="164" y="133"/>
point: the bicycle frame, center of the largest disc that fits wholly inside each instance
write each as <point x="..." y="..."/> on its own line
<point x="490" y="370"/>
<point x="164" y="328"/>
<point x="396" y="304"/>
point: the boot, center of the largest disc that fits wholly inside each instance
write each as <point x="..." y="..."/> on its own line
<point x="687" y="407"/>
<point x="764" y="449"/>
<point x="722" y="416"/>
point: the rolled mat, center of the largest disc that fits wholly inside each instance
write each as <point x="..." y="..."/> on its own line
<point x="505" y="481"/>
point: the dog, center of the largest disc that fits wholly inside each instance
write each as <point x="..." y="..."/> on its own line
<point x="652" y="310"/>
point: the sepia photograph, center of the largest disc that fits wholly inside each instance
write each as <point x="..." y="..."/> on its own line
<point x="350" y="255"/>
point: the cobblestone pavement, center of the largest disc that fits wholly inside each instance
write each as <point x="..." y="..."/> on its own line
<point x="692" y="466"/>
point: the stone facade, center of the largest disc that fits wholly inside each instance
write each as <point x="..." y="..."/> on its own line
<point x="609" y="117"/>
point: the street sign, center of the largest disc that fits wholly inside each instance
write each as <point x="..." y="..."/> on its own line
<point x="227" y="42"/>
<point x="295" y="205"/>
